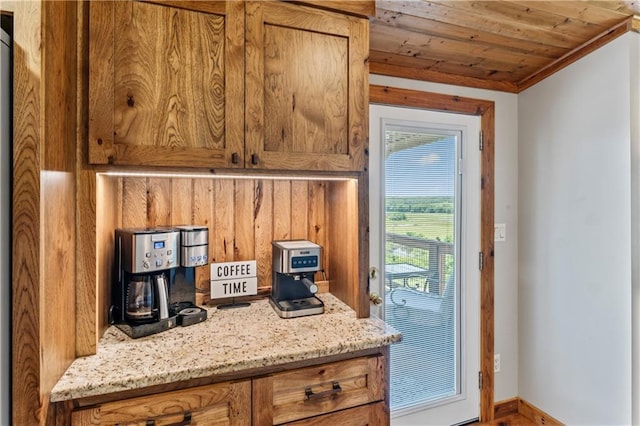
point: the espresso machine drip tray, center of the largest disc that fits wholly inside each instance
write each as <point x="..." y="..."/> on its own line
<point x="297" y="307"/>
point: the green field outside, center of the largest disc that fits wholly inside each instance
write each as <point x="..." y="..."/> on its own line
<point x="431" y="226"/>
<point x="428" y="226"/>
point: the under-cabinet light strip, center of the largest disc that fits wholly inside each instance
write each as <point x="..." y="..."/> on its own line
<point x="220" y="176"/>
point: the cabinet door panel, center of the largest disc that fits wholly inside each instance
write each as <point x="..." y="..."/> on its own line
<point x="307" y="88"/>
<point x="170" y="82"/>
<point x="169" y="78"/>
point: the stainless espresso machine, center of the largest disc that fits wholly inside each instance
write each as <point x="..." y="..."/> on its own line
<point x="294" y="264"/>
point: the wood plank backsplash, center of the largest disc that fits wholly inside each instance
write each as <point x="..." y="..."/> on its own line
<point x="243" y="215"/>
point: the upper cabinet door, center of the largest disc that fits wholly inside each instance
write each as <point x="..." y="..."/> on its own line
<point x="306" y="88"/>
<point x="166" y="84"/>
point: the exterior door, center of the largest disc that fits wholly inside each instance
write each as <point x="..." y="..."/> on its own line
<point x="425" y="240"/>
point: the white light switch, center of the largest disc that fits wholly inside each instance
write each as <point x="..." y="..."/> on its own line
<point x="500" y="232"/>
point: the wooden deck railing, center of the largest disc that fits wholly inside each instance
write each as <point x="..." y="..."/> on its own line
<point x="425" y="260"/>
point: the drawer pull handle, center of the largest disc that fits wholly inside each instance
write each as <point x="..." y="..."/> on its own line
<point x="186" y="420"/>
<point x="335" y="388"/>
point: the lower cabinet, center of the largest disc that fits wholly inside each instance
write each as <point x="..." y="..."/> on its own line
<point x="352" y="392"/>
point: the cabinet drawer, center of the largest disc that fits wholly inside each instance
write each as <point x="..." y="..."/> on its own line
<point x="376" y="414"/>
<point x="223" y="403"/>
<point x="308" y="392"/>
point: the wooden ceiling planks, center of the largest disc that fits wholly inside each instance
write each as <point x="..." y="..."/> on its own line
<point x="499" y="45"/>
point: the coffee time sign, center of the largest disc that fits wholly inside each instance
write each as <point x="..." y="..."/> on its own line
<point x="234" y="279"/>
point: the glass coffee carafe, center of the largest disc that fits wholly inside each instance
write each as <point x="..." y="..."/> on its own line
<point x="146" y="299"/>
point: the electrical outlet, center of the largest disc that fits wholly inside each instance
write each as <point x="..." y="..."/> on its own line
<point x="496" y="363"/>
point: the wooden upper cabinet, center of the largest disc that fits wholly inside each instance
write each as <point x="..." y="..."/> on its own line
<point x="306" y="88"/>
<point x="166" y="83"/>
<point x="228" y="84"/>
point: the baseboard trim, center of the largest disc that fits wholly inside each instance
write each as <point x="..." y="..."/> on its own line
<point x="518" y="405"/>
<point x="505" y="408"/>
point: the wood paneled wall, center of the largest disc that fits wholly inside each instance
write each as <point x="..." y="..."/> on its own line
<point x="43" y="254"/>
<point x="243" y="216"/>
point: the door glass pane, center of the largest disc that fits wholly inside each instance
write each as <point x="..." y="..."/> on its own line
<point x="422" y="193"/>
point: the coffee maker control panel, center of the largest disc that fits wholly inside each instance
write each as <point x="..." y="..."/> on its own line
<point x="298" y="262"/>
<point x="296" y="256"/>
<point x="148" y="249"/>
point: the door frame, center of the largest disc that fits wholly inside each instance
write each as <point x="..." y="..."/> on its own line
<point x="385" y="95"/>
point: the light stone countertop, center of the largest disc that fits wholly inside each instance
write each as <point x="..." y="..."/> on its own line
<point x="228" y="341"/>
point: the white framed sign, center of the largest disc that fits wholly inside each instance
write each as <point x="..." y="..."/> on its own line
<point x="234" y="279"/>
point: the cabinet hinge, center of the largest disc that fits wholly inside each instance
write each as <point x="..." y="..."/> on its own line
<point x="481" y="140"/>
<point x="481" y="260"/>
<point x="480" y="380"/>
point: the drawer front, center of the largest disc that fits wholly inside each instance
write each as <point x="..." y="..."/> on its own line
<point x="376" y="414"/>
<point x="226" y="403"/>
<point x="217" y="415"/>
<point x="312" y="391"/>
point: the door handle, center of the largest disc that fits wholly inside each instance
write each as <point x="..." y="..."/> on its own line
<point x="375" y="298"/>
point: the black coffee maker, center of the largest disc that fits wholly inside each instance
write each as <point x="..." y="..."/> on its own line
<point x="144" y="269"/>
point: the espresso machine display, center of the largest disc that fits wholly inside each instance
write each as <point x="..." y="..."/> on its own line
<point x="144" y="268"/>
<point x="294" y="264"/>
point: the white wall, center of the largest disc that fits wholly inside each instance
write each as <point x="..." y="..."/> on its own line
<point x="574" y="239"/>
<point x="506" y="211"/>
<point x="635" y="224"/>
